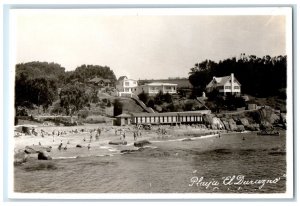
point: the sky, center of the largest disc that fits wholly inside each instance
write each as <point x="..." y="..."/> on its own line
<point x="144" y="46"/>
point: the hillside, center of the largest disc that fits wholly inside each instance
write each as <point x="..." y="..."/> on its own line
<point x="129" y="105"/>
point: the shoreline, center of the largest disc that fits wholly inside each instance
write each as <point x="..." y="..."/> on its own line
<point x="101" y="147"/>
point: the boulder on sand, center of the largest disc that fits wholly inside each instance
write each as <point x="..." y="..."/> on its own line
<point x="79" y="146"/>
<point x="43" y="155"/>
<point x="141" y="143"/>
<point x="118" y="142"/>
<point x="20" y="158"/>
<point x="36" y="149"/>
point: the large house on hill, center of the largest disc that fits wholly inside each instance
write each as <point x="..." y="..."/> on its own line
<point x="126" y="86"/>
<point x="156" y="87"/>
<point x="99" y="81"/>
<point x="225" y="85"/>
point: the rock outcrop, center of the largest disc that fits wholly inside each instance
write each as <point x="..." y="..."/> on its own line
<point x="244" y="122"/>
<point x="44" y="156"/>
<point x="20" y="157"/>
<point x="262" y="119"/>
<point x="36" y="149"/>
<point x="232" y="125"/>
<point x="118" y="142"/>
<point x="141" y="143"/>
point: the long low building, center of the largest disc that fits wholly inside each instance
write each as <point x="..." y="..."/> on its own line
<point x="190" y="117"/>
<point x="155" y="87"/>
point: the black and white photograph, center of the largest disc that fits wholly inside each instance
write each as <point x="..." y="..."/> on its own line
<point x="145" y="103"/>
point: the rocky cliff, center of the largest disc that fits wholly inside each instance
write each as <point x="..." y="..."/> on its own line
<point x="262" y="119"/>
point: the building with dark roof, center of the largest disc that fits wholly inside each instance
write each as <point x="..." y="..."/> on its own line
<point x="225" y="85"/>
<point x="99" y="81"/>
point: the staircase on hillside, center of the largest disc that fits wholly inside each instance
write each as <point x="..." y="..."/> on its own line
<point x="136" y="98"/>
<point x="202" y="102"/>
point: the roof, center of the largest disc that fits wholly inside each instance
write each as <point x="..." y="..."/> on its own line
<point x="181" y="83"/>
<point x="96" y="79"/>
<point x="121" y="78"/>
<point x="160" y="84"/>
<point x="106" y="80"/>
<point x="124" y="115"/>
<point x="25" y="125"/>
<point x="220" y="81"/>
<point x="164" y="114"/>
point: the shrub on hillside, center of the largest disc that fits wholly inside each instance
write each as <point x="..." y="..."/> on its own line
<point x="83" y="114"/>
<point x="144" y="97"/>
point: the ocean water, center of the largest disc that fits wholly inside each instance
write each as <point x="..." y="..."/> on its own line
<point x="234" y="163"/>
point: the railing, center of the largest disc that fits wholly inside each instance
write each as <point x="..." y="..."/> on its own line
<point x="136" y="98"/>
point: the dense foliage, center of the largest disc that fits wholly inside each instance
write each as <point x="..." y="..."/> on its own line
<point x="36" y="83"/>
<point x="42" y="83"/>
<point x="261" y="77"/>
<point x="73" y="98"/>
<point x="85" y="72"/>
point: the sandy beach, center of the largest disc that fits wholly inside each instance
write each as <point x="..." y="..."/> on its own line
<point x="86" y="137"/>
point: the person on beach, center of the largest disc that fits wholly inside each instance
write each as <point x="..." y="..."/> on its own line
<point x="89" y="147"/>
<point x="97" y="137"/>
<point x="65" y="148"/>
<point x="84" y="139"/>
<point x="40" y="144"/>
<point x="91" y="137"/>
<point x="134" y="135"/>
<point x="59" y="146"/>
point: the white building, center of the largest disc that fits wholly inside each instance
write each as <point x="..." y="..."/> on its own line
<point x="155" y="87"/>
<point x="227" y="84"/>
<point x="126" y="86"/>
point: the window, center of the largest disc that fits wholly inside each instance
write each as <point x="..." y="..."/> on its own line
<point x="227" y="87"/>
<point x="126" y="83"/>
<point x="236" y="87"/>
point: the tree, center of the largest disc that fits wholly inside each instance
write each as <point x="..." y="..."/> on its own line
<point x="43" y="92"/>
<point x="39" y="91"/>
<point x="144" y="97"/>
<point x="36" y="83"/>
<point x="73" y="98"/>
<point x="85" y="72"/>
<point x="261" y="77"/>
<point x="150" y="103"/>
